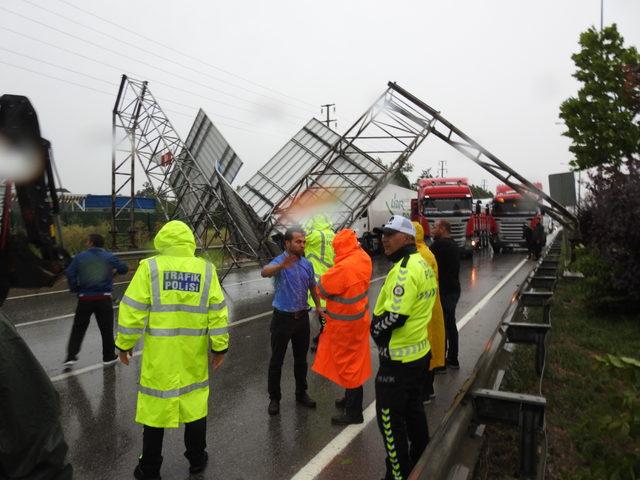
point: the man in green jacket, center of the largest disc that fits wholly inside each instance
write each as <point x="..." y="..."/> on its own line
<point x="176" y="301"/>
<point x="399" y="328"/>
<point x="318" y="250"/>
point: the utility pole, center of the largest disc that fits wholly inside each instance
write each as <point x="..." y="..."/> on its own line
<point x="601" y="14"/>
<point x="443" y="164"/>
<point x="328" y="121"/>
<point x="484" y="184"/>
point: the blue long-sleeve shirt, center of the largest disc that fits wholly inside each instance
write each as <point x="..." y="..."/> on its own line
<point x="91" y="272"/>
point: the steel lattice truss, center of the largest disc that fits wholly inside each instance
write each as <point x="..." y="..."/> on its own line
<point x="143" y="133"/>
<point x="447" y="132"/>
<point x="358" y="165"/>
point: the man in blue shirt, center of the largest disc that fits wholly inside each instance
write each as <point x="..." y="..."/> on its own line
<point x="90" y="276"/>
<point x="293" y="278"/>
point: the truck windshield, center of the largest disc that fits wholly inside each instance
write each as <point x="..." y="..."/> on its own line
<point x="515" y="207"/>
<point x="440" y="207"/>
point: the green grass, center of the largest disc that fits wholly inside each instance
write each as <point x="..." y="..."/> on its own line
<point x="579" y="392"/>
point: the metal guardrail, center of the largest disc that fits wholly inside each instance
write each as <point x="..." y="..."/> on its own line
<point x="453" y="450"/>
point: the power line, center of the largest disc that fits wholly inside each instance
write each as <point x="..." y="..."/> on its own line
<point x="136" y="60"/>
<point x="120" y="70"/>
<point x="87" y="87"/>
<point x="111" y="84"/>
<point x="168" y="47"/>
<point x="329" y="120"/>
<point x="166" y="59"/>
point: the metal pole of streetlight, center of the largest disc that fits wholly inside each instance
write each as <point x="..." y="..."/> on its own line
<point x="601" y="14"/>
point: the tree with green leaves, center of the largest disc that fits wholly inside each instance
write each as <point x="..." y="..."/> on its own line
<point x="478" y="192"/>
<point x="603" y="119"/>
<point x="400" y="176"/>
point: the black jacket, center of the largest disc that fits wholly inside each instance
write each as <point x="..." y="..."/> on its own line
<point x="447" y="255"/>
<point x="31" y="442"/>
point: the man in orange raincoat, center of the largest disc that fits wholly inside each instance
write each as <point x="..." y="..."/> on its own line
<point x="343" y="351"/>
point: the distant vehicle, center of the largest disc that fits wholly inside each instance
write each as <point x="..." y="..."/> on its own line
<point x="392" y="200"/>
<point x="511" y="212"/>
<point x="450" y="199"/>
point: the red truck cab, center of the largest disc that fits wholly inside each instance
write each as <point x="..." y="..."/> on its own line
<point x="511" y="211"/>
<point x="450" y="199"/>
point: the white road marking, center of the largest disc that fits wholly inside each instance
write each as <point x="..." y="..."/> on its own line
<point x="318" y="463"/>
<point x="335" y="446"/>
<point x="97" y="366"/>
<point x="476" y="308"/>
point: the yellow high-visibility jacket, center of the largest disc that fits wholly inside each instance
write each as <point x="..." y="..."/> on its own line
<point x="176" y="302"/>
<point x="318" y="248"/>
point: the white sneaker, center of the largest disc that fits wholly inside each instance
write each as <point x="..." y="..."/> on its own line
<point x="70" y="361"/>
<point x="110" y="362"/>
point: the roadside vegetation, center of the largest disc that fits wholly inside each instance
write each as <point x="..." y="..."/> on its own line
<point x="592" y="376"/>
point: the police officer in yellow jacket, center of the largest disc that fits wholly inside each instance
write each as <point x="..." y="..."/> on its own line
<point x="399" y="328"/>
<point x="176" y="302"/>
<point x="318" y="249"/>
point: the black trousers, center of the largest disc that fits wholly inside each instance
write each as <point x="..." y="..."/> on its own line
<point x="103" y="311"/>
<point x="286" y="327"/>
<point x="449" y="301"/>
<point x="401" y="417"/>
<point x="195" y="442"/>
<point x="353" y="401"/>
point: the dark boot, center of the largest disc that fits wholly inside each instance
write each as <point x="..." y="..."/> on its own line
<point x="146" y="471"/>
<point x="345" y="419"/>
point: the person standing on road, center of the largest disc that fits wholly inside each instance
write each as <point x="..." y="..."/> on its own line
<point x="399" y="328"/>
<point x="447" y="255"/>
<point x="293" y="281"/>
<point x="343" y="352"/>
<point x="90" y="276"/>
<point x="436" y="325"/>
<point x="318" y="250"/>
<point x="176" y="301"/>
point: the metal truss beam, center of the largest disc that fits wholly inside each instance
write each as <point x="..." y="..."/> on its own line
<point x="140" y="124"/>
<point x="452" y="135"/>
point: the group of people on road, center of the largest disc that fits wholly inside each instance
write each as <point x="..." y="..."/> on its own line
<point x="413" y="325"/>
<point x="176" y="303"/>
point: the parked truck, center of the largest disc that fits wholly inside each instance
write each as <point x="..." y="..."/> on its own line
<point x="511" y="212"/>
<point x="450" y="199"/>
<point x="392" y="200"/>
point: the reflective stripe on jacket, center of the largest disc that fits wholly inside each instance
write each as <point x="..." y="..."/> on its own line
<point x="343" y="354"/>
<point x="318" y="247"/>
<point x="410" y="289"/>
<point x="176" y="301"/>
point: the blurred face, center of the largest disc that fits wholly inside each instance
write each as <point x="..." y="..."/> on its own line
<point x="295" y="246"/>
<point x="393" y="241"/>
<point x="439" y="231"/>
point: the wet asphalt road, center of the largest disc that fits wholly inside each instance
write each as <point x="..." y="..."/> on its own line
<point x="98" y="404"/>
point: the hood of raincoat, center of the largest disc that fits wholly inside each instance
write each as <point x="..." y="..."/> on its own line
<point x="419" y="232"/>
<point x="175" y="238"/>
<point x="319" y="222"/>
<point x="345" y="242"/>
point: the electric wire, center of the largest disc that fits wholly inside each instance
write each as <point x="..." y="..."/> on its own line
<point x="166" y="59"/>
<point x="87" y="87"/>
<point x="111" y="84"/>
<point x="147" y="64"/>
<point x="169" y="47"/>
<point x="119" y="69"/>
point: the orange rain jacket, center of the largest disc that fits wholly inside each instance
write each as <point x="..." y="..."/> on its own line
<point x="343" y="352"/>
<point x="435" y="329"/>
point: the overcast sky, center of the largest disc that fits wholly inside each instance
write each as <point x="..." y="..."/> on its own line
<point x="496" y="69"/>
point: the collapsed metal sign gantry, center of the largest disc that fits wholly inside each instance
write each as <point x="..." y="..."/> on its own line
<point x="356" y="166"/>
<point x="143" y="134"/>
